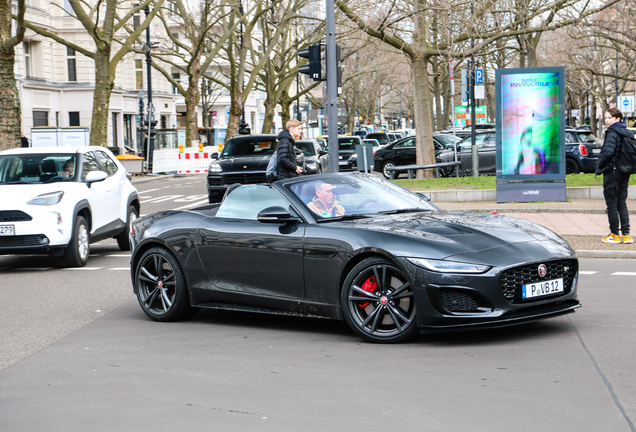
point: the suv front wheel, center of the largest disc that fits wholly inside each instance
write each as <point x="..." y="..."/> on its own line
<point x="76" y="254"/>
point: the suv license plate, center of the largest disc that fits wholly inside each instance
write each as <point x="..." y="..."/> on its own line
<point x="543" y="288"/>
<point x="7" y="230"/>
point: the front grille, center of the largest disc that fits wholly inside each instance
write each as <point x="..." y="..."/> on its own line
<point x="248" y="178"/>
<point x="23" y="241"/>
<point x="458" y="301"/>
<point x="215" y="181"/>
<point x="14" y="216"/>
<point x="513" y="278"/>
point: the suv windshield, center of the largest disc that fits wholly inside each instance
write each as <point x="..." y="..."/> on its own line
<point x="307" y="147"/>
<point x="381" y="137"/>
<point x="249" y="147"/>
<point x="348" y="142"/>
<point x="37" y="168"/>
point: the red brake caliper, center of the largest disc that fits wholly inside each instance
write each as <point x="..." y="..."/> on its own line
<point x="369" y="285"/>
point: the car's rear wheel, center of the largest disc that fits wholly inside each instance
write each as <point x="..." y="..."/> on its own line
<point x="76" y="253"/>
<point x="572" y="166"/>
<point x="387" y="173"/>
<point x="123" y="238"/>
<point x="378" y="303"/>
<point x="161" y="288"/>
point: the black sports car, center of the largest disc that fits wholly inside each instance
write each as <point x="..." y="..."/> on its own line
<point x="353" y="247"/>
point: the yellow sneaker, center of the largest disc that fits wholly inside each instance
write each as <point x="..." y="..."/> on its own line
<point x="627" y="239"/>
<point x="612" y="238"/>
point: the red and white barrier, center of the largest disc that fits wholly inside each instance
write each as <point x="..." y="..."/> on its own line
<point x="191" y="161"/>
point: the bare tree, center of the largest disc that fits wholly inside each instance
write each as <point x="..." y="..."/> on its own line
<point x="10" y="115"/>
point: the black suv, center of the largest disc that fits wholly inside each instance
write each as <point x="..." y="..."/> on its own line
<point x="243" y="160"/>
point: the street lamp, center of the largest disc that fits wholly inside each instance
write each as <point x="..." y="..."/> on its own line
<point x="243" y="126"/>
<point x="151" y="109"/>
<point x="142" y="124"/>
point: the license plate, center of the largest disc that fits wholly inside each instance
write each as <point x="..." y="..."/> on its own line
<point x="538" y="289"/>
<point x="7" y="230"/>
<point x="596" y="151"/>
<point x="343" y="163"/>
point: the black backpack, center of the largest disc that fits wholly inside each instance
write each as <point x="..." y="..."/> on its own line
<point x="626" y="160"/>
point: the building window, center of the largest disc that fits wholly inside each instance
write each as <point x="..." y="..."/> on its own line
<point x="70" y="63"/>
<point x="57" y="118"/>
<point x="27" y="59"/>
<point x="73" y="118"/>
<point x="176" y="77"/>
<point x="40" y="118"/>
<point x="115" y="142"/>
<point x="139" y="73"/>
<point x="68" y="9"/>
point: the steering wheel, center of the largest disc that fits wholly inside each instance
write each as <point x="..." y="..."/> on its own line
<point x="58" y="178"/>
<point x="365" y="202"/>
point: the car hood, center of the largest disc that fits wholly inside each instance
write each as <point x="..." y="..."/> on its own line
<point x="466" y="236"/>
<point x="245" y="163"/>
<point x="19" y="194"/>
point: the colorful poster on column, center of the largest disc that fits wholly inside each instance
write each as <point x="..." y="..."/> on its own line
<point x="462" y="115"/>
<point x="530" y="133"/>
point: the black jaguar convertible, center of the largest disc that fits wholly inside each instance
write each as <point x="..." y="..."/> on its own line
<point x="351" y="247"/>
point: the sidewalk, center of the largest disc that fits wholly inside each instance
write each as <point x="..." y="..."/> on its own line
<point x="582" y="222"/>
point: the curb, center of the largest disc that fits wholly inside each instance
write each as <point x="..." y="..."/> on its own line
<point x="606" y="254"/>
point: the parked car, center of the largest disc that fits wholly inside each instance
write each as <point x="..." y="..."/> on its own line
<point x="485" y="141"/>
<point x="391" y="265"/>
<point x="243" y="160"/>
<point x="404" y="152"/>
<point x="316" y="159"/>
<point x="394" y="136"/>
<point x="582" y="149"/>
<point x="381" y="137"/>
<point x="59" y="200"/>
<point x="346" y="148"/>
<point x="353" y="159"/>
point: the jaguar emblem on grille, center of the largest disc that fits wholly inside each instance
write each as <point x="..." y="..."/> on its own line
<point x="542" y="270"/>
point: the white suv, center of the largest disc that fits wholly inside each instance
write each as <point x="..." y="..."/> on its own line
<point x="58" y="200"/>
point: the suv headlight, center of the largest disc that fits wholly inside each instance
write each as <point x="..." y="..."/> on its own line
<point x="214" y="167"/>
<point x="442" y="266"/>
<point x="47" y="199"/>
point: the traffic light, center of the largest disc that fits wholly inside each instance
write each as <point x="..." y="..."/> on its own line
<point x="313" y="68"/>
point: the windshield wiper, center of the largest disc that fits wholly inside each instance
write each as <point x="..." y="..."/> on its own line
<point x="406" y="210"/>
<point x="347" y="217"/>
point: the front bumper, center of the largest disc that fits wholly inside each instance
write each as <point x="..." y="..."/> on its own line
<point x="43" y="233"/>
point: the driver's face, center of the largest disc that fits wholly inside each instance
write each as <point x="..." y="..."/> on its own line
<point x="326" y="195"/>
<point x="70" y="168"/>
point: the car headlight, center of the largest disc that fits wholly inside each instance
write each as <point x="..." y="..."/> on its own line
<point x="449" y="266"/>
<point x="214" y="167"/>
<point x="312" y="165"/>
<point x="47" y="199"/>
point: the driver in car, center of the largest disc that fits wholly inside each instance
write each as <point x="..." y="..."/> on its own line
<point x="324" y="204"/>
<point x="69" y="168"/>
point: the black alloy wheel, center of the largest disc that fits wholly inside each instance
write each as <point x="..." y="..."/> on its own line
<point x="161" y="288"/>
<point x="572" y="166"/>
<point x="378" y="303"/>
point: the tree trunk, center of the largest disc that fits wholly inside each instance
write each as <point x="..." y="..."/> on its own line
<point x="285" y="103"/>
<point x="270" y="109"/>
<point x="10" y="126"/>
<point x="192" y="101"/>
<point x="101" y="99"/>
<point x="422" y="105"/>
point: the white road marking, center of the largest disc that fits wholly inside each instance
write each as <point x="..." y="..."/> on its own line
<point x="624" y="274"/>
<point x="587" y="272"/>
<point x="191" y="198"/>
<point x="119" y="256"/>
<point x="161" y="199"/>
<point x="32" y="269"/>
<point x="83" y="268"/>
<point x="120" y="268"/>
<point x="149" y="190"/>
<point x="205" y="201"/>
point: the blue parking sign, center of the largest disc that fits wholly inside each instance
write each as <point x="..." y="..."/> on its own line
<point x="479" y="77"/>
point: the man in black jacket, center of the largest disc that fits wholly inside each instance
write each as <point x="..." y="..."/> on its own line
<point x="615" y="183"/>
<point x="287" y="164"/>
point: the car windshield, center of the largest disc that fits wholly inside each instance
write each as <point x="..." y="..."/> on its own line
<point x="348" y="142"/>
<point x="448" y="140"/>
<point x="381" y="137"/>
<point x="37" y="168"/>
<point x="466" y="144"/>
<point x="249" y="147"/>
<point x="343" y="195"/>
<point x="307" y="147"/>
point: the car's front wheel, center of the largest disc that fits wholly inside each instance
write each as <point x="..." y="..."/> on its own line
<point x="387" y="173"/>
<point x="123" y="238"/>
<point x="161" y="287"/>
<point x="76" y="253"/>
<point x="378" y="303"/>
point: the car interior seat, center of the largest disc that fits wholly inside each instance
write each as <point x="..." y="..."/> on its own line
<point x="49" y="170"/>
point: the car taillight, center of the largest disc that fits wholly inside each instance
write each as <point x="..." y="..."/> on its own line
<point x="375" y="154"/>
<point x="583" y="149"/>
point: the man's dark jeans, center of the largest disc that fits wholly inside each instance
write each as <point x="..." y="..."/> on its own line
<point x="615" y="185"/>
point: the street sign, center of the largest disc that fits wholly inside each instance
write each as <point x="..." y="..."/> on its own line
<point x="480" y="92"/>
<point x="479" y="78"/>
<point x="626" y="103"/>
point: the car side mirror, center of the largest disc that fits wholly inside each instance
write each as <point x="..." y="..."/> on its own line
<point x="95" y="176"/>
<point x="214" y="155"/>
<point x="276" y="214"/>
<point x="423" y="196"/>
<point x="322" y="153"/>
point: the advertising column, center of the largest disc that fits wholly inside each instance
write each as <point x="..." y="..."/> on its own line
<point x="530" y="134"/>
